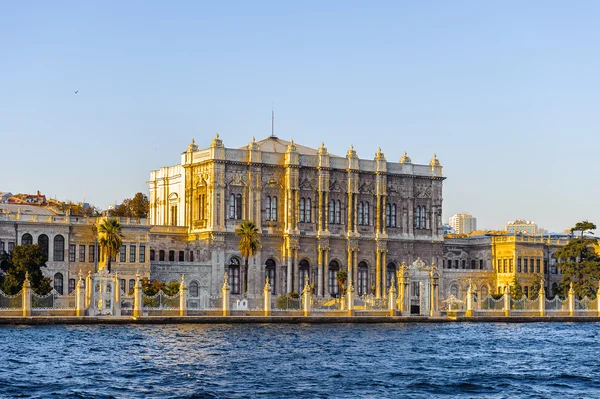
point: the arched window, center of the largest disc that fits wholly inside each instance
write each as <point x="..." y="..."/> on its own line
<point x="303" y="272"/>
<point x="388" y="215"/>
<point x="234" y="275"/>
<point x="58" y="283"/>
<point x="332" y="285"/>
<point x="43" y="243"/>
<point x="390" y="274"/>
<point x="302" y="209"/>
<point x="59" y="249"/>
<point x="152" y="255"/>
<point x="194" y="289"/>
<point x="171" y="256"/>
<point x="71" y="285"/>
<point x="274" y="209"/>
<point x="367" y="221"/>
<point x="161" y="255"/>
<point x="232" y="206"/>
<point x="484" y="291"/>
<point x="27" y="239"/>
<point x="307" y="211"/>
<point x="181" y="256"/>
<point x="270" y="273"/>
<point x="268" y="208"/>
<point x="418" y="217"/>
<point x="423" y="217"/>
<point x="338" y="212"/>
<point x="454" y="290"/>
<point x="363" y="278"/>
<point x="331" y="211"/>
<point x="473" y="266"/>
<point x="526" y="291"/>
<point x="393" y="218"/>
<point x="361" y="213"/>
<point x="238" y="206"/>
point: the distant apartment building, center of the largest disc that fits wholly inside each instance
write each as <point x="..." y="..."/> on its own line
<point x="520" y="226"/>
<point x="27" y="199"/>
<point x="463" y="223"/>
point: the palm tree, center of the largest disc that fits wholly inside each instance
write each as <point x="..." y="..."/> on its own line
<point x="249" y="244"/>
<point x="110" y="238"/>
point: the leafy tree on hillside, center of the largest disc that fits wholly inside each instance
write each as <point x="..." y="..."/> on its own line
<point x="25" y="259"/>
<point x="136" y="207"/>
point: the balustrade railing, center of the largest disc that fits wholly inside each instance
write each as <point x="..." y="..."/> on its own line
<point x="11" y="302"/>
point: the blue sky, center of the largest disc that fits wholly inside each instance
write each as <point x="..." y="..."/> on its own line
<point x="506" y="93"/>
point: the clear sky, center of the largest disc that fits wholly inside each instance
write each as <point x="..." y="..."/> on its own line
<point x="506" y="93"/>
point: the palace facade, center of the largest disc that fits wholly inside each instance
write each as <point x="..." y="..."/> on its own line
<point x="317" y="214"/>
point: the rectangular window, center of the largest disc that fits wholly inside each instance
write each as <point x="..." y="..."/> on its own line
<point x="72" y="249"/>
<point x="510" y="265"/>
<point x="537" y="265"/>
<point x="1" y="247"/>
<point x="171" y="256"/>
<point x="531" y="267"/>
<point x="456" y="263"/>
<point x="181" y="256"/>
<point x="91" y="253"/>
<point x="11" y="246"/>
<point x="132" y="253"/>
<point x="191" y="256"/>
<point x="463" y="263"/>
<point x="122" y="285"/>
<point x="519" y="265"/>
<point x="545" y="266"/>
<point x="131" y="286"/>
<point x="122" y="253"/>
<point x="142" y="253"/>
<point x="481" y="264"/>
<point x="71" y="285"/>
<point x="333" y="283"/>
<point x="525" y="265"/>
<point x="82" y="253"/>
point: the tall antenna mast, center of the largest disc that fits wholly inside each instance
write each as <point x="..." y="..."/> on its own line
<point x="273" y="121"/>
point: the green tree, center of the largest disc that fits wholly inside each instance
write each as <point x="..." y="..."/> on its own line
<point x="110" y="239"/>
<point x="516" y="290"/>
<point x="248" y="245"/>
<point x="136" y="207"/>
<point x="580" y="264"/>
<point x="77" y="209"/>
<point x="342" y="277"/>
<point x="25" y="259"/>
<point x="534" y="290"/>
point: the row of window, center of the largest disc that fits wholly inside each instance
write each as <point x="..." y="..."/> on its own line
<point x="362" y="285"/>
<point x="162" y="256"/>
<point x="462" y="264"/>
<point x="524" y="265"/>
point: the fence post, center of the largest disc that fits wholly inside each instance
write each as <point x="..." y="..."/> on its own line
<point x="434" y="292"/>
<point x="267" y="294"/>
<point x="506" y="301"/>
<point x="88" y="290"/>
<point x="306" y="297"/>
<point x="225" y="293"/>
<point x="392" y="298"/>
<point x="26" y="292"/>
<point x="117" y="296"/>
<point x="571" y="300"/>
<point x="183" y="297"/>
<point x="469" y="312"/>
<point x="80" y="297"/>
<point x="542" y="298"/>
<point x="350" y="298"/>
<point x="138" y="310"/>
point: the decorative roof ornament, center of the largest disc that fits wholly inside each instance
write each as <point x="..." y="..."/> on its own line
<point x="252" y="146"/>
<point x="217" y="142"/>
<point x="322" y="149"/>
<point x="291" y="146"/>
<point x="405" y="158"/>
<point x="351" y="152"/>
<point x="379" y="155"/>
<point x="192" y="147"/>
<point x="434" y="162"/>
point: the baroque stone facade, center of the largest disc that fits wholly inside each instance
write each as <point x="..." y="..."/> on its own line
<point x="317" y="214"/>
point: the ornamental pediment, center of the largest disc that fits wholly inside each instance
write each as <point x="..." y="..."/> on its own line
<point x="308" y="184"/>
<point x="422" y="192"/>
<point x="237" y="180"/>
<point x="366" y="188"/>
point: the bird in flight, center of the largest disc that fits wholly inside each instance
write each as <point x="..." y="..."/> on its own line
<point x="76" y="91"/>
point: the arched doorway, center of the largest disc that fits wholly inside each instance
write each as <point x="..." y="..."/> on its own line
<point x="58" y="283"/>
<point x="43" y="243"/>
<point x="270" y="273"/>
<point x="303" y="273"/>
<point x="389" y="276"/>
<point x="363" y="279"/>
<point x="27" y="239"/>
<point x="332" y="283"/>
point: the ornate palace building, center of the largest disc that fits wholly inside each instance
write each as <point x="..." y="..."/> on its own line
<point x="317" y="213"/>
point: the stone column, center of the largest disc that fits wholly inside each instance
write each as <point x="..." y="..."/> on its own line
<point x="267" y="297"/>
<point x="506" y="301"/>
<point x="88" y="290"/>
<point x="571" y="300"/>
<point x="469" y="312"/>
<point x="319" y="271"/>
<point x="384" y="201"/>
<point x="350" y="298"/>
<point x="117" y="296"/>
<point x="392" y="298"/>
<point x="349" y="268"/>
<point x="355" y="264"/>
<point x="289" y="287"/>
<point x="377" y="273"/>
<point x="542" y="298"/>
<point x="225" y="294"/>
<point x="349" y="221"/>
<point x="26" y="296"/>
<point x="326" y="272"/>
<point x="306" y="297"/>
<point x="384" y="271"/>
<point x="138" y="310"/>
<point x="378" y="214"/>
<point x="355" y="212"/>
<point x="295" y="266"/>
<point x="320" y="210"/>
<point x="183" y="291"/>
<point x="434" y="293"/>
<point x="326" y="206"/>
<point x="80" y="297"/>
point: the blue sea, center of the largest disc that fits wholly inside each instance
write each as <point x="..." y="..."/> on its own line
<point x="448" y="360"/>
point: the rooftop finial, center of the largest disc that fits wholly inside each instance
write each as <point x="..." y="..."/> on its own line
<point x="273" y="121"/>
